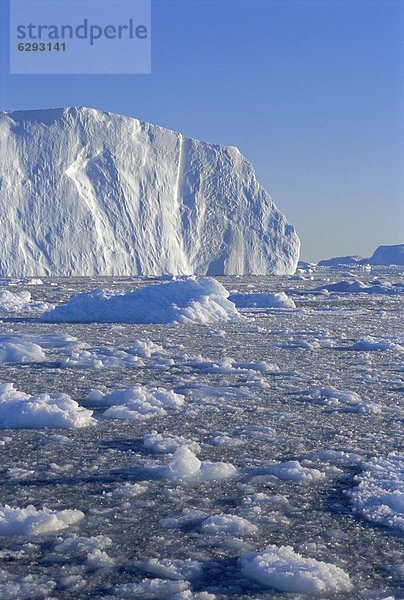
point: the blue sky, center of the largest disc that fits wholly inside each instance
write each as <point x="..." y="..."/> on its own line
<point x="311" y="91"/>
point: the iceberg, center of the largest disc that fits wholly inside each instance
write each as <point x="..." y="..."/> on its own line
<point x="94" y="193"/>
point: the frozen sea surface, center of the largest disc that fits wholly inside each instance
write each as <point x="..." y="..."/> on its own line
<point x="250" y="458"/>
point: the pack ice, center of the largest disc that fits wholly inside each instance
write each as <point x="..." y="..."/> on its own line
<point x="94" y="193"/>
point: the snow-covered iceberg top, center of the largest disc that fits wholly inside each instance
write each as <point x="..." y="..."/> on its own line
<point x="183" y="301"/>
<point x="95" y="193"/>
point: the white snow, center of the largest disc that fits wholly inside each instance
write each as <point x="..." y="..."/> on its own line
<point x="268" y="300"/>
<point x="186" y="465"/>
<point x="30" y="522"/>
<point x="182" y="301"/>
<point x="133" y="198"/>
<point x="379" y="495"/>
<point x="285" y="570"/>
<point x="20" y="410"/>
<point x="136" y="403"/>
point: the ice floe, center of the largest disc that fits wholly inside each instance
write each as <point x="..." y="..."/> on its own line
<point x="334" y="399"/>
<point x="358" y="287"/>
<point x="182" y="301"/>
<point x="292" y="470"/>
<point x="285" y="570"/>
<point x="186" y="465"/>
<point x="20" y="410"/>
<point x="228" y="524"/>
<point x="91" y="549"/>
<point x="19" y="349"/>
<point x="167" y="444"/>
<point x="371" y="344"/>
<point x="379" y="495"/>
<point x="136" y="403"/>
<point x="30" y="522"/>
<point x="268" y="300"/>
<point x="16" y="302"/>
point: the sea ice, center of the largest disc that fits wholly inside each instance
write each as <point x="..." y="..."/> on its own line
<point x="15" y="302"/>
<point x="292" y="470"/>
<point x="92" y="549"/>
<point x="146" y="349"/>
<point x="29" y="521"/>
<point x="379" y="495"/>
<point x="19" y="349"/>
<point x="334" y="399"/>
<point x="20" y="410"/>
<point x="370" y="344"/>
<point x="137" y="403"/>
<point x="186" y="465"/>
<point x="357" y="287"/>
<point x="285" y="570"/>
<point x="228" y="524"/>
<point x="167" y="444"/>
<point x="268" y="300"/>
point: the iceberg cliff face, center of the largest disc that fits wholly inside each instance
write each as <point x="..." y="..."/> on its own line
<point x="84" y="192"/>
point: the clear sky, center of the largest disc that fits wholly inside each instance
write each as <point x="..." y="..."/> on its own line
<point x="311" y="91"/>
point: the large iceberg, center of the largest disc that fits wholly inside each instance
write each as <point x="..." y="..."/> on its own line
<point x="85" y="192"/>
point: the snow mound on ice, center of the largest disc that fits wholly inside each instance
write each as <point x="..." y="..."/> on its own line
<point x="186" y="465"/>
<point x="358" y="287"/>
<point x="146" y="349"/>
<point x="137" y="403"/>
<point x="131" y="198"/>
<point x="28" y="587"/>
<point x="388" y="255"/>
<point x="160" y="589"/>
<point x="167" y="444"/>
<point x="228" y="524"/>
<point x="370" y="344"/>
<point x="14" y="302"/>
<point x="379" y="496"/>
<point x="19" y="410"/>
<point x="181" y="301"/>
<point x="285" y="570"/>
<point x="275" y="300"/>
<point x="19" y="349"/>
<point x="92" y="549"/>
<point x="292" y="470"/>
<point x="30" y="521"/>
<point x="334" y="399"/>
<point x="173" y="569"/>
